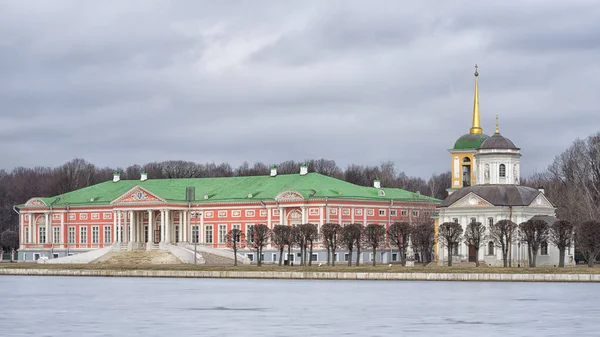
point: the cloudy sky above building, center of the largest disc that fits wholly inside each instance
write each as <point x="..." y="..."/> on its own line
<point x="125" y="82"/>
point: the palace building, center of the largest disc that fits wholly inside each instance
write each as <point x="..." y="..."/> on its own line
<point x="151" y="214"/>
<point x="485" y="188"/>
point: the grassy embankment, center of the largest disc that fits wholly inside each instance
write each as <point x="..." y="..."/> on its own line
<point x="340" y="269"/>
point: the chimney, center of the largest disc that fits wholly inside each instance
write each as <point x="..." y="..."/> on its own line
<point x="377" y="183"/>
<point x="116" y="177"/>
<point x="273" y="170"/>
<point x="303" y="169"/>
<point x="144" y="176"/>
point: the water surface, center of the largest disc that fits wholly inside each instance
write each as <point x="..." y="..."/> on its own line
<point x="93" y="306"/>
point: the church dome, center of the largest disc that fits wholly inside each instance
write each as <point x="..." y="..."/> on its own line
<point x="470" y="141"/>
<point x="497" y="141"/>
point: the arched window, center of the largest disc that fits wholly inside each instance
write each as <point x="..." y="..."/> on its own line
<point x="491" y="248"/>
<point x="502" y="170"/>
<point x="544" y="248"/>
<point x="466" y="160"/>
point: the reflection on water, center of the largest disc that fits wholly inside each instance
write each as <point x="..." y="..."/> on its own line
<point x="79" y="306"/>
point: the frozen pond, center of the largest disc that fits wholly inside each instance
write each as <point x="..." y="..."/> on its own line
<point x="90" y="306"/>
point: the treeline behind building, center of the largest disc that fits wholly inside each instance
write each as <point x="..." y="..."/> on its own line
<point x="23" y="183"/>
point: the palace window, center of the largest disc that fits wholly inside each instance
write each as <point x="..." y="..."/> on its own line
<point x="107" y="233"/>
<point x="502" y="170"/>
<point x="544" y="248"/>
<point x="27" y="234"/>
<point x="346" y="256"/>
<point x="250" y="213"/>
<point x="195" y="233"/>
<point x="382" y="212"/>
<point x="82" y="216"/>
<point x="274" y="257"/>
<point x="107" y="216"/>
<point x="403" y="212"/>
<point x="209" y="234"/>
<point x="491" y="248"/>
<point x="415" y="213"/>
<point x="490" y="222"/>
<point x="56" y="234"/>
<point x="71" y="234"/>
<point x="358" y="212"/>
<point x="83" y="235"/>
<point x="95" y="216"/>
<point x="176" y="234"/>
<point x="222" y="233"/>
<point x="95" y="234"/>
<point x="42" y="234"/>
<point x="236" y="226"/>
<point x="263" y="213"/>
<point x="248" y="234"/>
<point x="394" y="212"/>
<point x="314" y="257"/>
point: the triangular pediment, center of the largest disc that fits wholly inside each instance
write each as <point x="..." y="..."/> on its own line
<point x="471" y="200"/>
<point x="137" y="195"/>
<point x="541" y="201"/>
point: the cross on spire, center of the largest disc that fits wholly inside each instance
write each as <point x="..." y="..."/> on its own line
<point x="476" y="73"/>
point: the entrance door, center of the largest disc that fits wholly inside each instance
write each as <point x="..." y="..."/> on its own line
<point x="472" y="254"/>
<point x="157" y="236"/>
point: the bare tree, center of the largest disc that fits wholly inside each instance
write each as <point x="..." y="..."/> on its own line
<point x="399" y="233"/>
<point x="449" y="235"/>
<point x="310" y="235"/>
<point x="360" y="235"/>
<point x="475" y="236"/>
<point x="561" y="235"/>
<point x="331" y="237"/>
<point x="587" y="237"/>
<point x="502" y="233"/>
<point x="295" y="240"/>
<point x="375" y="236"/>
<point x="423" y="239"/>
<point x="349" y="235"/>
<point x="9" y="241"/>
<point x="280" y="237"/>
<point x="233" y="240"/>
<point x="257" y="238"/>
<point x="534" y="232"/>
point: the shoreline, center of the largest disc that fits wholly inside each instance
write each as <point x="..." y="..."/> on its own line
<point x="306" y="275"/>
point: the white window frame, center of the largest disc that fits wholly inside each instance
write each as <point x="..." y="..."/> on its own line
<point x="108" y="234"/>
<point x="382" y="212"/>
<point x="222" y="233"/>
<point x="56" y="234"/>
<point x="208" y="232"/>
<point x="95" y="234"/>
<point x="72" y="235"/>
<point x="42" y="234"/>
<point x="394" y="212"/>
<point x="83" y="235"/>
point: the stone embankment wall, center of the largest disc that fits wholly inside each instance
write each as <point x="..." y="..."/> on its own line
<point x="308" y="275"/>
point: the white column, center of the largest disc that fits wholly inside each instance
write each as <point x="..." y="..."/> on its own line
<point x="352" y="214"/>
<point x="22" y="238"/>
<point x="114" y="226"/>
<point x="130" y="237"/>
<point x="181" y="226"/>
<point x="304" y="217"/>
<point x="269" y="223"/>
<point x="340" y="216"/>
<point x="48" y="228"/>
<point x="281" y="216"/>
<point x="150" y="227"/>
<point x="62" y="228"/>
<point x="167" y="225"/>
<point x="184" y="226"/>
<point x="162" y="225"/>
<point x="321" y="216"/>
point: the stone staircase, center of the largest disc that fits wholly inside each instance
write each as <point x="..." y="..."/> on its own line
<point x="215" y="260"/>
<point x="137" y="257"/>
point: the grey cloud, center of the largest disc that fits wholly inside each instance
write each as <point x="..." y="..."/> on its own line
<point x="118" y="84"/>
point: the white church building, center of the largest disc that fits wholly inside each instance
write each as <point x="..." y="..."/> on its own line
<point x="485" y="188"/>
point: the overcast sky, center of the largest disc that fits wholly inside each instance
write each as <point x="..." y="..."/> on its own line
<point x="125" y="82"/>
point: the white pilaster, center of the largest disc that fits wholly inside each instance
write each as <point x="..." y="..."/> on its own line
<point x="150" y="227"/>
<point x="162" y="225"/>
<point x="281" y="216"/>
<point x="48" y="228"/>
<point x="321" y="216"/>
<point x="184" y="227"/>
<point x="201" y="228"/>
<point x="62" y="228"/>
<point x="304" y="218"/>
<point x="167" y="225"/>
<point x="181" y="226"/>
<point x="269" y="223"/>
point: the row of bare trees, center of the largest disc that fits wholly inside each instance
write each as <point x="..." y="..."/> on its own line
<point x="9" y="242"/>
<point x="534" y="233"/>
<point x="22" y="183"/>
<point x="352" y="237"/>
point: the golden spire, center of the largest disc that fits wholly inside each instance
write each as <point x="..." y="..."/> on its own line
<point x="497" y="130"/>
<point x="476" y="128"/>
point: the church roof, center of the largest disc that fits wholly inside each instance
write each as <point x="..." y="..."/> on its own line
<point x="497" y="141"/>
<point x="497" y="195"/>
<point x="470" y="141"/>
<point x="234" y="189"/>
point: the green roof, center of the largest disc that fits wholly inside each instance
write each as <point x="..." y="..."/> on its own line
<point x="227" y="189"/>
<point x="470" y="141"/>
